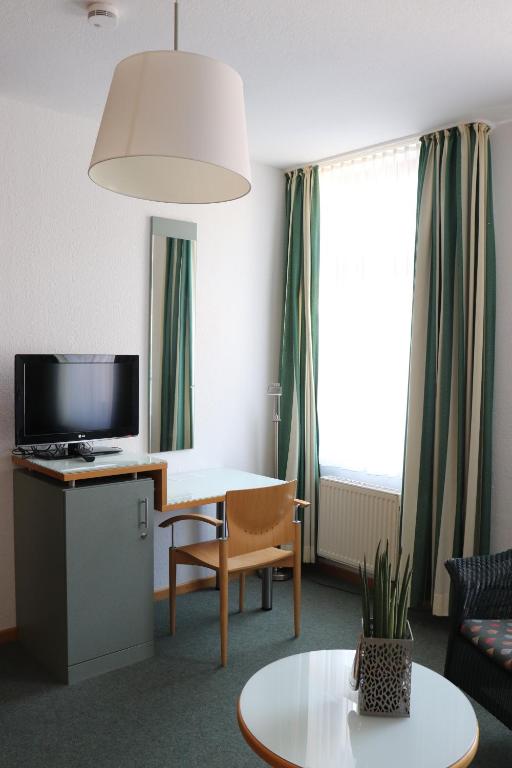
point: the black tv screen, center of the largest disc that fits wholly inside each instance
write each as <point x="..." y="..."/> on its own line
<point x="63" y="398"/>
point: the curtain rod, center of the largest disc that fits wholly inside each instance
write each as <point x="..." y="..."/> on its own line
<point x="371" y="148"/>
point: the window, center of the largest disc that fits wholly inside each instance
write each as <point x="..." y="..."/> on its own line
<point x="367" y="215"/>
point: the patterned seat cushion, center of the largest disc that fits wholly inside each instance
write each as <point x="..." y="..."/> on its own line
<point x="491" y="636"/>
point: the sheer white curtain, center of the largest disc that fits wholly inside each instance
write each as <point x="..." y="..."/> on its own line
<point x="367" y="231"/>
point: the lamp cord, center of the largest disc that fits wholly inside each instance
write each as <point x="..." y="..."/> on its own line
<point x="175" y="25"/>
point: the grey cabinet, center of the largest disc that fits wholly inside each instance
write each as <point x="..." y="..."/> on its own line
<point x="84" y="572"/>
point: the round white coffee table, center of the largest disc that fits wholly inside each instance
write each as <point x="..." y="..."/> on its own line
<point x="300" y="712"/>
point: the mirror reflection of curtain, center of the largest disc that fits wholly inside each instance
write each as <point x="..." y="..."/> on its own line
<point x="177" y="355"/>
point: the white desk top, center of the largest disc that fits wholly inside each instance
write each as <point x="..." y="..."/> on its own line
<point x="114" y="460"/>
<point x="184" y="489"/>
<point x="303" y="710"/>
<point x="193" y="488"/>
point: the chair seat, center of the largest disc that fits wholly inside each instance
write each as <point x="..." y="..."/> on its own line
<point x="207" y="553"/>
<point x="493" y="637"/>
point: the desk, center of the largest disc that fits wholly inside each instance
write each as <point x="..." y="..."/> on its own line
<point x="209" y="486"/>
<point x="173" y="491"/>
<point x="301" y="711"/>
<point x="94" y="556"/>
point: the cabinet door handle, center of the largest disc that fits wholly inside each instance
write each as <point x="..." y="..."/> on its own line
<point x="143" y="523"/>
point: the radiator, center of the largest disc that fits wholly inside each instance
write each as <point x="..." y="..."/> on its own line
<point x="353" y="518"/>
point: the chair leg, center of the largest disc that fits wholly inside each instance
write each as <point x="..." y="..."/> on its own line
<point x="223" y="585"/>
<point x="241" y="593"/>
<point x="297" y="581"/>
<point x="172" y="590"/>
<point x="296" y="599"/>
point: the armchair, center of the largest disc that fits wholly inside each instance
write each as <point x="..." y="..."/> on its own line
<point x="479" y="653"/>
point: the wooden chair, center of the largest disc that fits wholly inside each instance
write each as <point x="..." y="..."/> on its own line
<point x="257" y="522"/>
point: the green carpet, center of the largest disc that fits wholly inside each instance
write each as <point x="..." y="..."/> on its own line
<point x="179" y="708"/>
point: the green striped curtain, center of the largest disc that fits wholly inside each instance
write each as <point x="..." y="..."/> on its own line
<point x="298" y="429"/>
<point x="447" y="466"/>
<point x="177" y="351"/>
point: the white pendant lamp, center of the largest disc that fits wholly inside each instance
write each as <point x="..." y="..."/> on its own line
<point x="173" y="129"/>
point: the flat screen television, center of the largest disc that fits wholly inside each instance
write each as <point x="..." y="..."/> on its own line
<point x="71" y="398"/>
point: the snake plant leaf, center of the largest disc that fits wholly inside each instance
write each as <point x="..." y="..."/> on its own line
<point x="385" y="605"/>
<point x="365" y="600"/>
<point x="403" y="603"/>
<point x="377" y="600"/>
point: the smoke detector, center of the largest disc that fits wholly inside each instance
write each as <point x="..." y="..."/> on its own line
<point x="102" y="15"/>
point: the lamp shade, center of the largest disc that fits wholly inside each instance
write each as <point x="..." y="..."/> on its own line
<point x="173" y="130"/>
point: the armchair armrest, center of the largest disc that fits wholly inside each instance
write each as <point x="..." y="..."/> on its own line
<point x="482" y="586"/>
<point x="191" y="516"/>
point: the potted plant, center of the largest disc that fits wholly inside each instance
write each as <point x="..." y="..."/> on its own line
<point x="384" y="656"/>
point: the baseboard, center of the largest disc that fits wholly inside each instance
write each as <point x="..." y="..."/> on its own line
<point x="9" y="635"/>
<point x="339" y="571"/>
<point x="182" y="589"/>
<point x="194" y="586"/>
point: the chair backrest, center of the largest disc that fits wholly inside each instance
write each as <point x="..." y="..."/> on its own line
<point x="260" y="517"/>
<point x="482" y="587"/>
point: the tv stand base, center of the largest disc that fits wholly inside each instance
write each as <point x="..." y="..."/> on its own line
<point x="74" y="450"/>
<point x="81" y="449"/>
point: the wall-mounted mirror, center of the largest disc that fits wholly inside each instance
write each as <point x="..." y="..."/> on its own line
<point x="171" y="353"/>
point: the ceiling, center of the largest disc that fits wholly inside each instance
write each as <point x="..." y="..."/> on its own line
<point x="321" y="77"/>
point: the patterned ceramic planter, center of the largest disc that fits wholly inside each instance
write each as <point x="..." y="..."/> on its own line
<point x="385" y="676"/>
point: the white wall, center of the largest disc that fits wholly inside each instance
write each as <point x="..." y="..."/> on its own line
<point x="501" y="528"/>
<point x="74" y="278"/>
